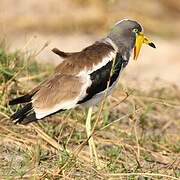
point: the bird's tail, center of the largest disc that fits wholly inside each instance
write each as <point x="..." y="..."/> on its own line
<point x="61" y="53"/>
<point x="24" y="115"/>
<point x="23" y="99"/>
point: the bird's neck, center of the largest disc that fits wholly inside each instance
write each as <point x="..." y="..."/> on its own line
<point x="120" y="48"/>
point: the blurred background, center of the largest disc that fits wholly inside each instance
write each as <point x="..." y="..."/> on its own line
<point x="73" y="24"/>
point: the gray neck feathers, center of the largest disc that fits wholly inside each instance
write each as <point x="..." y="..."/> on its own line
<point x="119" y="47"/>
<point x="124" y="44"/>
<point x="120" y="41"/>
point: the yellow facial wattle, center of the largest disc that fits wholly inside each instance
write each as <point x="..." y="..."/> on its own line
<point x="140" y="39"/>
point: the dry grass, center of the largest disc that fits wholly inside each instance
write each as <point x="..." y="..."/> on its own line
<point x="136" y="136"/>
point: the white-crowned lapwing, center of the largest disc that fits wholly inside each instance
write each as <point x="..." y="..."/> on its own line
<point x="82" y="78"/>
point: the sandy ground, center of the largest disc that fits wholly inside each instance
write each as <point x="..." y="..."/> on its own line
<point x="162" y="63"/>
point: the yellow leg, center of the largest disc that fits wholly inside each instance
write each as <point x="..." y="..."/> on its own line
<point x="92" y="147"/>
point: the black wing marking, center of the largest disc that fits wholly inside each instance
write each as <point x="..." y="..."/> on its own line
<point x="24" y="115"/>
<point x="101" y="76"/>
<point x="22" y="99"/>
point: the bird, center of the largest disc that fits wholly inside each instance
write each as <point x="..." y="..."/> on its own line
<point x="81" y="79"/>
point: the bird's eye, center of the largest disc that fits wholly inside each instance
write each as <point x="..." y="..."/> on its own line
<point x="135" y="30"/>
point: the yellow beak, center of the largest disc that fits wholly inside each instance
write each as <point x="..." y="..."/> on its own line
<point x="140" y="39"/>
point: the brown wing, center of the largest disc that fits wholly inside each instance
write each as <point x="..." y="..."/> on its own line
<point x="58" y="93"/>
<point x="69" y="84"/>
<point x="85" y="59"/>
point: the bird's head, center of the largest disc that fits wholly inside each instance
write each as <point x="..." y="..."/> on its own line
<point x="129" y="34"/>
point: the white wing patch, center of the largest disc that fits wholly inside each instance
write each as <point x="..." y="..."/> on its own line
<point x="104" y="61"/>
<point x="98" y="97"/>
